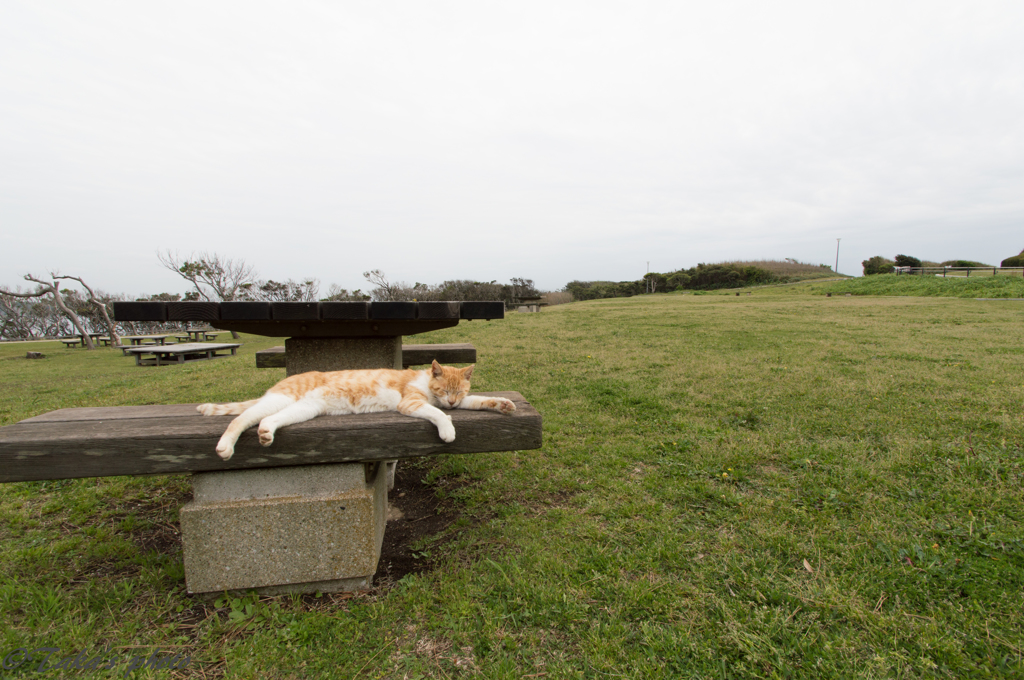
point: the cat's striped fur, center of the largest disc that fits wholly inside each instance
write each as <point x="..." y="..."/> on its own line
<point x="297" y="398"/>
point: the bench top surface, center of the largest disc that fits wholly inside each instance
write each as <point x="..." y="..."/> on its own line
<point x="182" y="348"/>
<point x="176" y="439"/>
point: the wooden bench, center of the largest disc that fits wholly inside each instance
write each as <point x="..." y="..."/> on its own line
<point x="179" y="353"/>
<point x="412" y="355"/>
<point x="325" y="521"/>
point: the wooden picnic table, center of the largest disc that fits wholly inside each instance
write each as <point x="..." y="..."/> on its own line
<point x="79" y="339"/>
<point x="180" y="353"/>
<point x="320" y="336"/>
<point x="200" y="334"/>
<point x="140" y="339"/>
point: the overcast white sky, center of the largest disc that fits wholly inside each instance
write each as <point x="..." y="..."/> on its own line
<point x="485" y="140"/>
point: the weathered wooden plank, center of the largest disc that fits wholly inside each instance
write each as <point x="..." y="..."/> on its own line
<point x="412" y="355"/>
<point x="393" y="310"/>
<point x="112" y="413"/>
<point x="337" y="328"/>
<point x="295" y="311"/>
<point x="274" y="357"/>
<point x="437" y="310"/>
<point x="482" y="310"/>
<point x="445" y="353"/>
<point x="352" y="310"/>
<point x="140" y="440"/>
<point x="140" y="311"/>
<point x="245" y="311"/>
<point x="193" y="311"/>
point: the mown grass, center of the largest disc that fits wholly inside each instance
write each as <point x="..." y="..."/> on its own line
<point x="775" y="485"/>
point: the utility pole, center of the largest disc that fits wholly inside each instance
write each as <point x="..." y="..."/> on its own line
<point x="837" y="254"/>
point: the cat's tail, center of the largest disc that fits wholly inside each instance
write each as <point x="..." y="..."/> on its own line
<point x="233" y="409"/>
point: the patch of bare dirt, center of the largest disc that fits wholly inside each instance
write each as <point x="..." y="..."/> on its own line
<point x="416" y="513"/>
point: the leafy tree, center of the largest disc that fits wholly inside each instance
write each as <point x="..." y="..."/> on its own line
<point x="877" y="265"/>
<point x="907" y="261"/>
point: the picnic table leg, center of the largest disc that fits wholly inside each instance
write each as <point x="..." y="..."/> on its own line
<point x="341" y="509"/>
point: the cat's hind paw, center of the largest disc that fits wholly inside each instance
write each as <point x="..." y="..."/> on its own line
<point x="206" y="409"/>
<point x="266" y="436"/>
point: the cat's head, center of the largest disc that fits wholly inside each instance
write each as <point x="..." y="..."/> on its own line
<point x="448" y="384"/>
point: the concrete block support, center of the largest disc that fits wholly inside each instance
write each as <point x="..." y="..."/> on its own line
<point x="297" y="529"/>
<point x="341" y="354"/>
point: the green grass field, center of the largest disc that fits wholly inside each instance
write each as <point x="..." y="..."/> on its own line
<point x="765" y="486"/>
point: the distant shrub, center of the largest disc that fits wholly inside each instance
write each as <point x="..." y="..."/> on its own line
<point x="1015" y="261"/>
<point x="907" y="261"/>
<point x="963" y="263"/>
<point x="595" y="290"/>
<point x="877" y="265"/>
<point x="712" y="276"/>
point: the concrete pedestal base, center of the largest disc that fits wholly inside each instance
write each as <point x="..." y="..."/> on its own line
<point x="297" y="529"/>
<point x="342" y="354"/>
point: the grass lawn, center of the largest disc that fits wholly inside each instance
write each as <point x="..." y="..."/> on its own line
<point x="774" y="485"/>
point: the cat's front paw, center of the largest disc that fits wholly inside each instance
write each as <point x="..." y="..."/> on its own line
<point x="206" y="409"/>
<point x="266" y="436"/>
<point x="225" y="451"/>
<point x="446" y="431"/>
<point x="502" y="405"/>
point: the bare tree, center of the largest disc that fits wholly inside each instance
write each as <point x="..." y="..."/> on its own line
<point x="384" y="290"/>
<point x="100" y="306"/>
<point x="53" y="288"/>
<point x="214" y="278"/>
<point x="18" y="317"/>
<point x="338" y="294"/>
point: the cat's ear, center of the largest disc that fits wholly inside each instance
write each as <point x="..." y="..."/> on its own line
<point x="467" y="372"/>
<point x="435" y="369"/>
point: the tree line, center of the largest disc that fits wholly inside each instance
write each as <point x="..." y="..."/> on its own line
<point x="702" y="277"/>
<point x="51" y="308"/>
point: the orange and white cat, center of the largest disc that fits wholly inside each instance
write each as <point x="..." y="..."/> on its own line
<point x="297" y="398"/>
